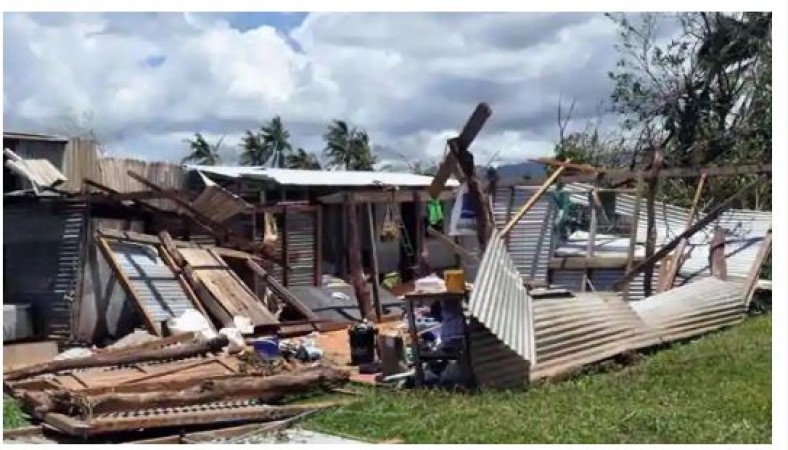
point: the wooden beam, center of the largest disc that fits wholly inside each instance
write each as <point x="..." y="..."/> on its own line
<point x="717" y="263"/>
<point x="124" y="281"/>
<point x="459" y="250"/>
<point x="480" y="202"/>
<point x="581" y="262"/>
<point x="626" y="176"/>
<point x="757" y="264"/>
<point x="377" y="304"/>
<point x="585" y="168"/>
<point x="532" y="201"/>
<point x="168" y="253"/>
<point x="469" y="132"/>
<point x="678" y="256"/>
<point x="713" y="214"/>
<point x="591" y="244"/>
<point x="360" y="286"/>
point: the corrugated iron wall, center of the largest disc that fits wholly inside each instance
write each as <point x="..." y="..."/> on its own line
<point x="531" y="241"/>
<point x="602" y="279"/>
<point x="301" y="233"/>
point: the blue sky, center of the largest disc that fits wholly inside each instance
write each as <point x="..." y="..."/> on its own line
<point x="145" y="82"/>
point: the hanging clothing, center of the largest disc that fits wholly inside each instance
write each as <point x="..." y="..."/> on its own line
<point x="434" y="212"/>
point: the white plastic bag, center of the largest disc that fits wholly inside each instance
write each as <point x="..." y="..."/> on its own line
<point x="237" y="342"/>
<point x="243" y="324"/>
<point x="463" y="215"/>
<point x="191" y="320"/>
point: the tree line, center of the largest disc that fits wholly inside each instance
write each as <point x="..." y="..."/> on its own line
<point x="346" y="148"/>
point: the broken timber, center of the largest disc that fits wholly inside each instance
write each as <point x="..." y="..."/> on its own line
<point x="110" y="359"/>
<point x="532" y="201"/>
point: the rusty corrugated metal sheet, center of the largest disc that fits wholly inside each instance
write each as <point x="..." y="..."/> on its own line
<point x="500" y="301"/>
<point x="693" y="309"/>
<point x="530" y="242"/>
<point x="587" y="328"/>
<point x="301" y="242"/>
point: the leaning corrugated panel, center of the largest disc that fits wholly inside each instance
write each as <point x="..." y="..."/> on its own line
<point x="693" y="309"/>
<point x="500" y="301"/>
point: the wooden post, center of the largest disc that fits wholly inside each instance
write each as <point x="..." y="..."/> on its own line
<point x="757" y="265"/>
<point x="285" y="248"/>
<point x="532" y="201"/>
<point x="717" y="262"/>
<point x="651" y="225"/>
<point x="713" y="214"/>
<point x="374" y="259"/>
<point x="633" y="233"/>
<point x="677" y="260"/>
<point x="356" y="273"/>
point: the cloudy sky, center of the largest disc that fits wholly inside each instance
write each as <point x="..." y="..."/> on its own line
<point x="146" y="81"/>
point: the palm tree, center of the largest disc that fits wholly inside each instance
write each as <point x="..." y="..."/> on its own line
<point x="302" y="159"/>
<point x="277" y="138"/>
<point x="203" y="153"/>
<point x="272" y="144"/>
<point x="347" y="148"/>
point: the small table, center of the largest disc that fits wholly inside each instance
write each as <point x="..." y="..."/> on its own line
<point x="463" y="355"/>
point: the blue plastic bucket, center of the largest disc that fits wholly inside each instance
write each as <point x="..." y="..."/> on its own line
<point x="267" y="348"/>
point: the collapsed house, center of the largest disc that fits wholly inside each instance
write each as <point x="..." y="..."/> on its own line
<point x="96" y="247"/>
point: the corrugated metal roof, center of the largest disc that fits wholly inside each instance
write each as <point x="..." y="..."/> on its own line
<point x="500" y="301"/>
<point x="152" y="280"/>
<point x="746" y="229"/>
<point x="602" y="280"/>
<point x="575" y="331"/>
<point x="494" y="364"/>
<point x="33" y="136"/>
<point x="299" y="177"/>
<point x="693" y="309"/>
<point x="531" y="240"/>
<point x="604" y="245"/>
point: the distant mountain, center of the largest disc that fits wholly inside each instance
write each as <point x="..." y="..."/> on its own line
<point x="519" y="170"/>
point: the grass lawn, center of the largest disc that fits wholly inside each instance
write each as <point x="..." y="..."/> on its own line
<point x="12" y="415"/>
<point x="716" y="389"/>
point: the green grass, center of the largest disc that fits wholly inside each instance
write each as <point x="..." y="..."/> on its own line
<point x="716" y="389"/>
<point x="12" y="415"/>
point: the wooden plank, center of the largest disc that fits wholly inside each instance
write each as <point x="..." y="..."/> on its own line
<point x="580" y="262"/>
<point x="458" y="249"/>
<point x="133" y="236"/>
<point x="711" y="216"/>
<point x="184" y="416"/>
<point x="532" y="201"/>
<point x="377" y="304"/>
<point x="757" y="265"/>
<point x="360" y="286"/>
<point x="469" y="132"/>
<point x="113" y="263"/>
<point x="378" y="196"/>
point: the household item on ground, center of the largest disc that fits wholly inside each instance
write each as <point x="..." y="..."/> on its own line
<point x="191" y="320"/>
<point x="391" y="349"/>
<point x="235" y="338"/>
<point x="361" y="338"/>
<point x="455" y="280"/>
<point x="17" y="322"/>
<point x="267" y="348"/>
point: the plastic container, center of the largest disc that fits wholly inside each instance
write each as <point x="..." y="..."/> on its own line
<point x="455" y="280"/>
<point x="267" y="348"/>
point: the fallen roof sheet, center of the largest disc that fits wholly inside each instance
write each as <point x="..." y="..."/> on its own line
<point x="299" y="177"/>
<point x="500" y="301"/>
<point x="40" y="172"/>
<point x="693" y="309"/>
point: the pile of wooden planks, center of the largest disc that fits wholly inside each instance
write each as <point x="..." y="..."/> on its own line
<point x="179" y="381"/>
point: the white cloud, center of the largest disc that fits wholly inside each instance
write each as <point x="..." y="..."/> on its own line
<point x="411" y="80"/>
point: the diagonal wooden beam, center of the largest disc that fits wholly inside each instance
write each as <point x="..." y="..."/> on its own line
<point x="532" y="201"/>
